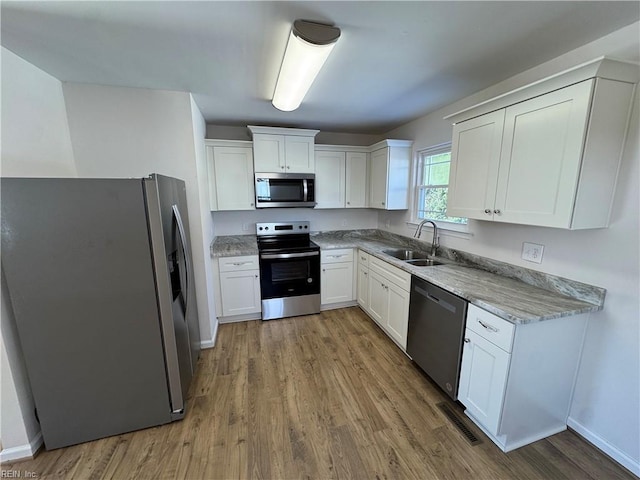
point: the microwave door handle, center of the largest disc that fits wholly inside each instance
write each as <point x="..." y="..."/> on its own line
<point x="305" y="190"/>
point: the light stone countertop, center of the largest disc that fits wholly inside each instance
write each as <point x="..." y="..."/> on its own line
<point x="542" y="297"/>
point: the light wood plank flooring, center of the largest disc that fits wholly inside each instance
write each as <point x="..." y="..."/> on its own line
<point x="321" y="396"/>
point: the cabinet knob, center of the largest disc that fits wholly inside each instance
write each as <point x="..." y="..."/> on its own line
<point x="382" y="203"/>
<point x="251" y="204"/>
<point x="282" y="167"/>
<point x="497" y="212"/>
<point x="324" y="270"/>
<point x="256" y="276"/>
<point x="348" y="203"/>
<point x="487" y="211"/>
<point x="467" y="340"/>
<point x="288" y="167"/>
<point x="365" y="273"/>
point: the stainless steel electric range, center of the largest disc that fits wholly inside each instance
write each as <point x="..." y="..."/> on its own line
<point x="289" y="270"/>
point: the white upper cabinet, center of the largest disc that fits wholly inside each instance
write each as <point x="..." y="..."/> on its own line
<point x="549" y="160"/>
<point x="389" y="175"/>
<point x="474" y="173"/>
<point x="341" y="176"/>
<point x="269" y="153"/>
<point x="356" y="179"/>
<point x="283" y="150"/>
<point x="330" y="179"/>
<point x="230" y="169"/>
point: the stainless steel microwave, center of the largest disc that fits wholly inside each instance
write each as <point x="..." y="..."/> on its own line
<point x="277" y="190"/>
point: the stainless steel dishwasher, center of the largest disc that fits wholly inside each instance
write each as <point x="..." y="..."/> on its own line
<point x="436" y="330"/>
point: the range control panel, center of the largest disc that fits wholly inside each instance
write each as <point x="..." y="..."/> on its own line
<point x="275" y="228"/>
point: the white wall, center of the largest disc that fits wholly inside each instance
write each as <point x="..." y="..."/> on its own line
<point x="606" y="403"/>
<point x="199" y="133"/>
<point x="36" y="143"/>
<point x="132" y="132"/>
<point x="235" y="223"/>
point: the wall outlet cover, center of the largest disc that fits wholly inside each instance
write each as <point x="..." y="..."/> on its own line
<point x="532" y="252"/>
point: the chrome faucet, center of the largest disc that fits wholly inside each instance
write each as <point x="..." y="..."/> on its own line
<point x="434" y="241"/>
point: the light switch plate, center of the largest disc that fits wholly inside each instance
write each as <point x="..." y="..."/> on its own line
<point x="532" y="252"/>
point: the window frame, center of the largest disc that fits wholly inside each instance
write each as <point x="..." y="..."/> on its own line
<point x="420" y="186"/>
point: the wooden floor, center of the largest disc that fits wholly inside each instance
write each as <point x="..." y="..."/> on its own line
<point x="322" y="396"/>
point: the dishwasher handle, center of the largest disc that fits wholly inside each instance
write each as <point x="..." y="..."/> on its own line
<point x="439" y="301"/>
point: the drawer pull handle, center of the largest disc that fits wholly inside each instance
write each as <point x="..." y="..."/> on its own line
<point x="467" y="340"/>
<point x="237" y="264"/>
<point x="488" y="327"/>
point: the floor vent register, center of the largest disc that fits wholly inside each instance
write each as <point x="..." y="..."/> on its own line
<point x="459" y="423"/>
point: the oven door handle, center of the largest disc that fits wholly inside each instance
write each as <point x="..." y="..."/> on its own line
<point x="270" y="256"/>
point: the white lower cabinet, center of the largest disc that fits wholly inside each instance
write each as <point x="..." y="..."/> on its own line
<point x="483" y="377"/>
<point x="239" y="285"/>
<point x="362" y="284"/>
<point x="516" y="381"/>
<point x="383" y="293"/>
<point x="336" y="276"/>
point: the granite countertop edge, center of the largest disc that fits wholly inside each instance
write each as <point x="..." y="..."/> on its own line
<point x="464" y="281"/>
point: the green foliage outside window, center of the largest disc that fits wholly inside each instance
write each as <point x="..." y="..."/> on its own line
<point x="432" y="193"/>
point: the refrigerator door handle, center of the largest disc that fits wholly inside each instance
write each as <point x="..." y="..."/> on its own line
<point x="187" y="256"/>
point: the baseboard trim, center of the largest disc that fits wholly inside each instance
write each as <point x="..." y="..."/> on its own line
<point x="334" y="306"/>
<point x="22" y="452"/>
<point x="622" y="458"/>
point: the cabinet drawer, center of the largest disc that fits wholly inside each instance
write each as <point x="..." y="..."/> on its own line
<point x="401" y="278"/>
<point x="236" y="264"/>
<point x="497" y="330"/>
<point x="336" y="256"/>
<point x="363" y="259"/>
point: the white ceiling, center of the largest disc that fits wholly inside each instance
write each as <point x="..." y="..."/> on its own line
<point x="395" y="61"/>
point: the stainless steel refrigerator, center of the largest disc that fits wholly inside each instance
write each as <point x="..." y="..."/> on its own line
<point x="100" y="279"/>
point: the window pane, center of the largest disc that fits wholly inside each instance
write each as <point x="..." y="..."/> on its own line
<point x="438" y="174"/>
<point x="434" y="185"/>
<point x="433" y="205"/>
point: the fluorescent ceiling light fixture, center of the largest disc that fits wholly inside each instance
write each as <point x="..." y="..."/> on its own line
<point x="308" y="47"/>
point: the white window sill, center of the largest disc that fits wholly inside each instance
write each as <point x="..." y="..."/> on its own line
<point x="445" y="229"/>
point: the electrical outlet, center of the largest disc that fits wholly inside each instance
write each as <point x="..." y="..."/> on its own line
<point x="532" y="252"/>
<point x="245" y="227"/>
<point x="344" y="222"/>
<point x="387" y="223"/>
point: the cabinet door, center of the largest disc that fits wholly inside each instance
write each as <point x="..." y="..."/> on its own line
<point x="269" y="152"/>
<point x="233" y="173"/>
<point x="475" y="156"/>
<point x="330" y="179"/>
<point x="378" y="299"/>
<point x="397" y="318"/>
<point x="240" y="292"/>
<point x="363" y="287"/>
<point x="299" y="154"/>
<point x="356" y="180"/>
<point x="483" y="379"/>
<point x="336" y="283"/>
<point x="378" y="185"/>
<point x="541" y="156"/>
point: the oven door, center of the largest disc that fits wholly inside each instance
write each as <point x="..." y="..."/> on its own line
<point x="289" y="274"/>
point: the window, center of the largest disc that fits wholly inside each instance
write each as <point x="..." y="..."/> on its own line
<point x="433" y="185"/>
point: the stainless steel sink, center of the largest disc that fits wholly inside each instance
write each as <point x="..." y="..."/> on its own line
<point x="424" y="262"/>
<point x="413" y="257"/>
<point x="402" y="254"/>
